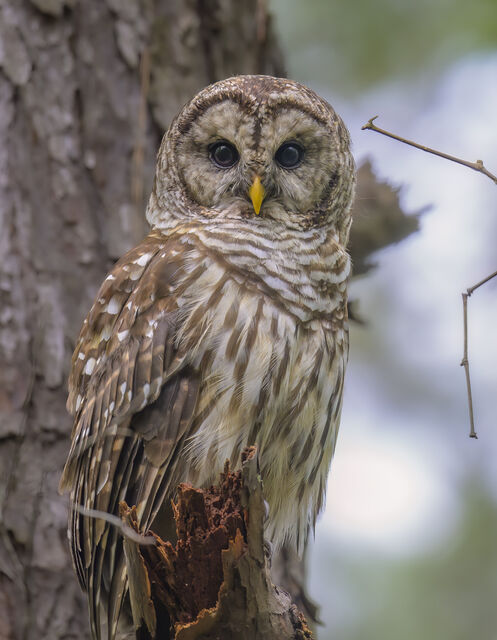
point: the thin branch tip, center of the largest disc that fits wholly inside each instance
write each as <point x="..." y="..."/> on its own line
<point x="476" y="166"/>
<point x="369" y="124"/>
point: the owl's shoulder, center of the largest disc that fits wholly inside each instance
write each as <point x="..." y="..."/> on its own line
<point x="130" y="302"/>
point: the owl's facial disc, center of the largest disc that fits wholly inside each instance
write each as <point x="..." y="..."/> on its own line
<point x="275" y="160"/>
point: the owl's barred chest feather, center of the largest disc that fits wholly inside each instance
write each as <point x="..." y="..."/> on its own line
<point x="271" y="363"/>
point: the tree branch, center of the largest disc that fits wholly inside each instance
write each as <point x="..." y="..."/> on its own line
<point x="465" y="364"/>
<point x="476" y="166"/>
<point x="465" y="358"/>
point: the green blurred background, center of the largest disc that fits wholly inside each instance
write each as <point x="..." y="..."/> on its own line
<point x="407" y="547"/>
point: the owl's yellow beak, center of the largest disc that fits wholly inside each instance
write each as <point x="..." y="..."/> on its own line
<point x="257" y="193"/>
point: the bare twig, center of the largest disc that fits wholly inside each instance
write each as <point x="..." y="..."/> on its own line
<point x="476" y="166"/>
<point x="125" y="529"/>
<point x="465" y="364"/>
<point x="479" y="284"/>
<point x="465" y="359"/>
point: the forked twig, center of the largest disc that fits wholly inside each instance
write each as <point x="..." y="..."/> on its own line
<point x="476" y="166"/>
<point x="465" y="360"/>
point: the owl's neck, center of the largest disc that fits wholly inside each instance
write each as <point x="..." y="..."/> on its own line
<point x="306" y="270"/>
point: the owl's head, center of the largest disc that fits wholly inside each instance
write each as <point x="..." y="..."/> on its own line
<point x="256" y="148"/>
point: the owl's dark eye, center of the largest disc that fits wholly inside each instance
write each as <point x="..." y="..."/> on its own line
<point x="223" y="154"/>
<point x="290" y="155"/>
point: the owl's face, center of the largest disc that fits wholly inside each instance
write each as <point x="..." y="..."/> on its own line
<point x="261" y="148"/>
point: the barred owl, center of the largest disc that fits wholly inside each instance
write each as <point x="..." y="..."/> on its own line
<point x="225" y="327"/>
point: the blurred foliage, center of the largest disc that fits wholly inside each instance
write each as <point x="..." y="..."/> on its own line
<point x="449" y="593"/>
<point x="378" y="220"/>
<point x="351" y="46"/>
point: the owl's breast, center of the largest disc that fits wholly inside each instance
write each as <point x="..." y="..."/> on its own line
<point x="303" y="273"/>
<point x="267" y="378"/>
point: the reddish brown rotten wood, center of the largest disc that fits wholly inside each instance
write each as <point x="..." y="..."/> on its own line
<point x="215" y="582"/>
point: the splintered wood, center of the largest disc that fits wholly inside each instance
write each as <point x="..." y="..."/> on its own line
<point x="215" y="582"/>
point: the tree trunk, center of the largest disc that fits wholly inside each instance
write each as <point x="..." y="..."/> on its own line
<point x="86" y="90"/>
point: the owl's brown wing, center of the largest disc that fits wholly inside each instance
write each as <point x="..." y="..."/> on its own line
<point x="133" y="396"/>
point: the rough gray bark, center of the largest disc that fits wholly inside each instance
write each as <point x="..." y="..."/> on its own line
<point x="86" y="89"/>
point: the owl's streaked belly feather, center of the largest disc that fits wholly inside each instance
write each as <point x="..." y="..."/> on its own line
<point x="271" y="379"/>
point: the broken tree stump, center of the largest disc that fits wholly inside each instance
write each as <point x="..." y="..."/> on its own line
<point x="215" y="583"/>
